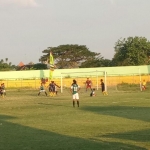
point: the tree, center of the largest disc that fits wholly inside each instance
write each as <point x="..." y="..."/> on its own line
<point x="1" y="61"/>
<point x="30" y="66"/>
<point x="131" y="51"/>
<point x="10" y="64"/>
<point x="4" y="66"/>
<point x="39" y="66"/>
<point x="6" y="59"/>
<point x="69" y="56"/>
<point x="99" y="62"/>
<point x="106" y="63"/>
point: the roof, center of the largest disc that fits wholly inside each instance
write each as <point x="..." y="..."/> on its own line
<point x="21" y="64"/>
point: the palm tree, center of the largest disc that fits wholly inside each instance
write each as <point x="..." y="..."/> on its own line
<point x="10" y="63"/>
<point x="1" y="61"/>
<point x="6" y="59"/>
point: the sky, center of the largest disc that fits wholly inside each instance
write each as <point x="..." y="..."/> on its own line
<point x="27" y="27"/>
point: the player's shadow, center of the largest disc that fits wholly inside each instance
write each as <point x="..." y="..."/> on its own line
<point x="19" y="137"/>
<point x="129" y="112"/>
<point x="51" y="104"/>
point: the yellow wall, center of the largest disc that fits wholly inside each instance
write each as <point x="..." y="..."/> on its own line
<point x="111" y="81"/>
<point x="115" y="75"/>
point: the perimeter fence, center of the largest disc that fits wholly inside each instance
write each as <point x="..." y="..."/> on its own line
<point x="113" y="82"/>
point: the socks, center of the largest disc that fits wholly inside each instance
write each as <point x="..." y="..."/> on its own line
<point x="52" y="94"/>
<point x="78" y="103"/>
<point x="45" y="93"/>
<point x="73" y="103"/>
<point x="105" y="93"/>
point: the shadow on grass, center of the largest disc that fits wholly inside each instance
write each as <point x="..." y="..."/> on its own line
<point x="18" y="137"/>
<point x="141" y="136"/>
<point x="129" y="112"/>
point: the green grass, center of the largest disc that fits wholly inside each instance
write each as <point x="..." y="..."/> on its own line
<point x="130" y="87"/>
<point x="119" y="121"/>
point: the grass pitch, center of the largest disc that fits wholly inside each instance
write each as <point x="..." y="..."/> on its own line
<point x="119" y="121"/>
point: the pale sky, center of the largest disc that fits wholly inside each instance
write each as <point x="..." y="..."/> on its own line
<point x="27" y="27"/>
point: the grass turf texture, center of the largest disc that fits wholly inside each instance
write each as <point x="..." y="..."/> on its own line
<point x="119" y="121"/>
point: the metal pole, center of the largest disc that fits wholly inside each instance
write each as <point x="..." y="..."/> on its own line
<point x="97" y="79"/>
<point x="61" y="84"/>
<point x="105" y="82"/>
<point x="140" y="80"/>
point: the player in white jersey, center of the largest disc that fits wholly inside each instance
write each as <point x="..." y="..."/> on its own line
<point x="74" y="90"/>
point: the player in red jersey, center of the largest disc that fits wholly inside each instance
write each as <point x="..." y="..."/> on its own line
<point x="88" y="84"/>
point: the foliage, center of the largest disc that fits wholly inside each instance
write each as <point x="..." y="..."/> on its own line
<point x="97" y="63"/>
<point x="6" y="66"/>
<point x="128" y="52"/>
<point x="132" y="51"/>
<point x="91" y="63"/>
<point x="69" y="56"/>
<point x="38" y="66"/>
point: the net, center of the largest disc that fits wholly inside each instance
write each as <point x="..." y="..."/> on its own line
<point x="81" y="77"/>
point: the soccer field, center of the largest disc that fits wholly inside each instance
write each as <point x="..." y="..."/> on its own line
<point x="119" y="121"/>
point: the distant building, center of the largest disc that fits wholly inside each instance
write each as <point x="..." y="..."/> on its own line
<point x="21" y="64"/>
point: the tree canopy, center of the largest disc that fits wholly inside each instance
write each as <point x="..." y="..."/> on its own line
<point x="70" y="56"/>
<point x="5" y="65"/>
<point x="131" y="51"/>
<point x="128" y="52"/>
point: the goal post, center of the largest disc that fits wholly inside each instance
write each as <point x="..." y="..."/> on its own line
<point x="127" y="82"/>
<point x="140" y="79"/>
<point x="105" y="81"/>
<point x="95" y="76"/>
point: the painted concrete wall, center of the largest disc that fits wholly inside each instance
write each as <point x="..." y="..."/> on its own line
<point x="85" y="72"/>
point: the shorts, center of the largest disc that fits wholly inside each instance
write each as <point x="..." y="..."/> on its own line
<point x="42" y="90"/>
<point x="75" y="96"/>
<point x="88" y="86"/>
<point x="103" y="88"/>
<point x="51" y="89"/>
